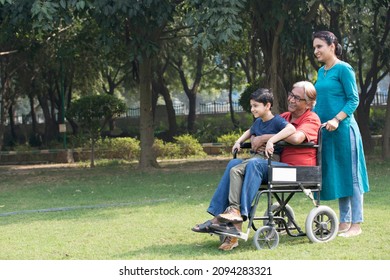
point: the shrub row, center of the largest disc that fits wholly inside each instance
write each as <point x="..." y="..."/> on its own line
<point x="129" y="148"/>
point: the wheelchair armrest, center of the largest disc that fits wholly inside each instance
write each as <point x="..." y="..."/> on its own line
<point x="248" y="145"/>
<point x="302" y="145"/>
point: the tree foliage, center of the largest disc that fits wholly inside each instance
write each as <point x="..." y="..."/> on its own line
<point x="92" y="113"/>
<point x="110" y="46"/>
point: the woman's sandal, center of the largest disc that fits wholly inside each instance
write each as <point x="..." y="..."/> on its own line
<point x="203" y="228"/>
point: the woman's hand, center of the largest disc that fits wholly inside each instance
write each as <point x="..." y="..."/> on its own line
<point x="331" y="125"/>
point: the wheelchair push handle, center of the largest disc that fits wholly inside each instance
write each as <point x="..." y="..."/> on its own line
<point x="245" y="145"/>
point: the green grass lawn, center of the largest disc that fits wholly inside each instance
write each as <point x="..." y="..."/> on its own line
<point x="117" y="212"/>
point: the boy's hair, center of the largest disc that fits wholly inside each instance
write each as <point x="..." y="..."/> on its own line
<point x="263" y="95"/>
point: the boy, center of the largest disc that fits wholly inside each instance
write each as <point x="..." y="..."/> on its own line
<point x="261" y="102"/>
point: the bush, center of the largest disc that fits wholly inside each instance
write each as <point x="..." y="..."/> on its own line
<point x="206" y="129"/>
<point x="183" y="147"/>
<point x="118" y="148"/>
<point x="189" y="146"/>
<point x="210" y="128"/>
<point x="128" y="148"/>
<point x="377" y="120"/>
<point x="22" y="148"/>
<point x="165" y="149"/>
<point x="230" y="138"/>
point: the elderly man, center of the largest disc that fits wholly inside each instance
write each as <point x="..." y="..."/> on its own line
<point x="301" y="100"/>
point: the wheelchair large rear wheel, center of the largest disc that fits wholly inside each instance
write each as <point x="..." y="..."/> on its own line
<point x="321" y="224"/>
<point x="266" y="238"/>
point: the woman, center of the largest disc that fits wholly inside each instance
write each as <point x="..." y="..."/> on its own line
<point x="344" y="169"/>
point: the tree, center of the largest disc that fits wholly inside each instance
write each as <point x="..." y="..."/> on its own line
<point x="147" y="23"/>
<point x="191" y="90"/>
<point x="370" y="45"/>
<point x="238" y="60"/>
<point x="11" y="59"/>
<point x="281" y="29"/>
<point x="137" y="26"/>
<point x="93" y="112"/>
<point x="160" y="87"/>
<point x="70" y="46"/>
<point x="50" y="41"/>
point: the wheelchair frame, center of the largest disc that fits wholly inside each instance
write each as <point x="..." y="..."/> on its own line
<point x="283" y="183"/>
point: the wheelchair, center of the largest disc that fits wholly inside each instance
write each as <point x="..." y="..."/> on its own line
<point x="284" y="182"/>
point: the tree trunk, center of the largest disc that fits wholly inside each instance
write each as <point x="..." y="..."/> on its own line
<point x="12" y="124"/>
<point x="386" y="130"/>
<point x="231" y="75"/>
<point x="33" y="115"/>
<point x="363" y="115"/>
<point x="192" y="92"/>
<point x="51" y="129"/>
<point x="160" y="88"/>
<point x="2" y="118"/>
<point x="274" y="71"/>
<point x="191" y="111"/>
<point x="92" y="151"/>
<point x="148" y="157"/>
<point x="254" y="62"/>
<point x="170" y="112"/>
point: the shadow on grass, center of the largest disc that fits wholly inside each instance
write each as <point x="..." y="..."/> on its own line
<point x="90" y="212"/>
<point x="176" y="251"/>
<point x="207" y="250"/>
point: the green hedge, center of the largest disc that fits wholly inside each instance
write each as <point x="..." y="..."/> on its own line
<point x="118" y="148"/>
<point x="128" y="148"/>
<point x="230" y="138"/>
<point x="184" y="146"/>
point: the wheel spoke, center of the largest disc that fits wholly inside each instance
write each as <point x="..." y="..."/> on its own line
<point x="323" y="226"/>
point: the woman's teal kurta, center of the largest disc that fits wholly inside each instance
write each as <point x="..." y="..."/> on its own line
<point x="337" y="91"/>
